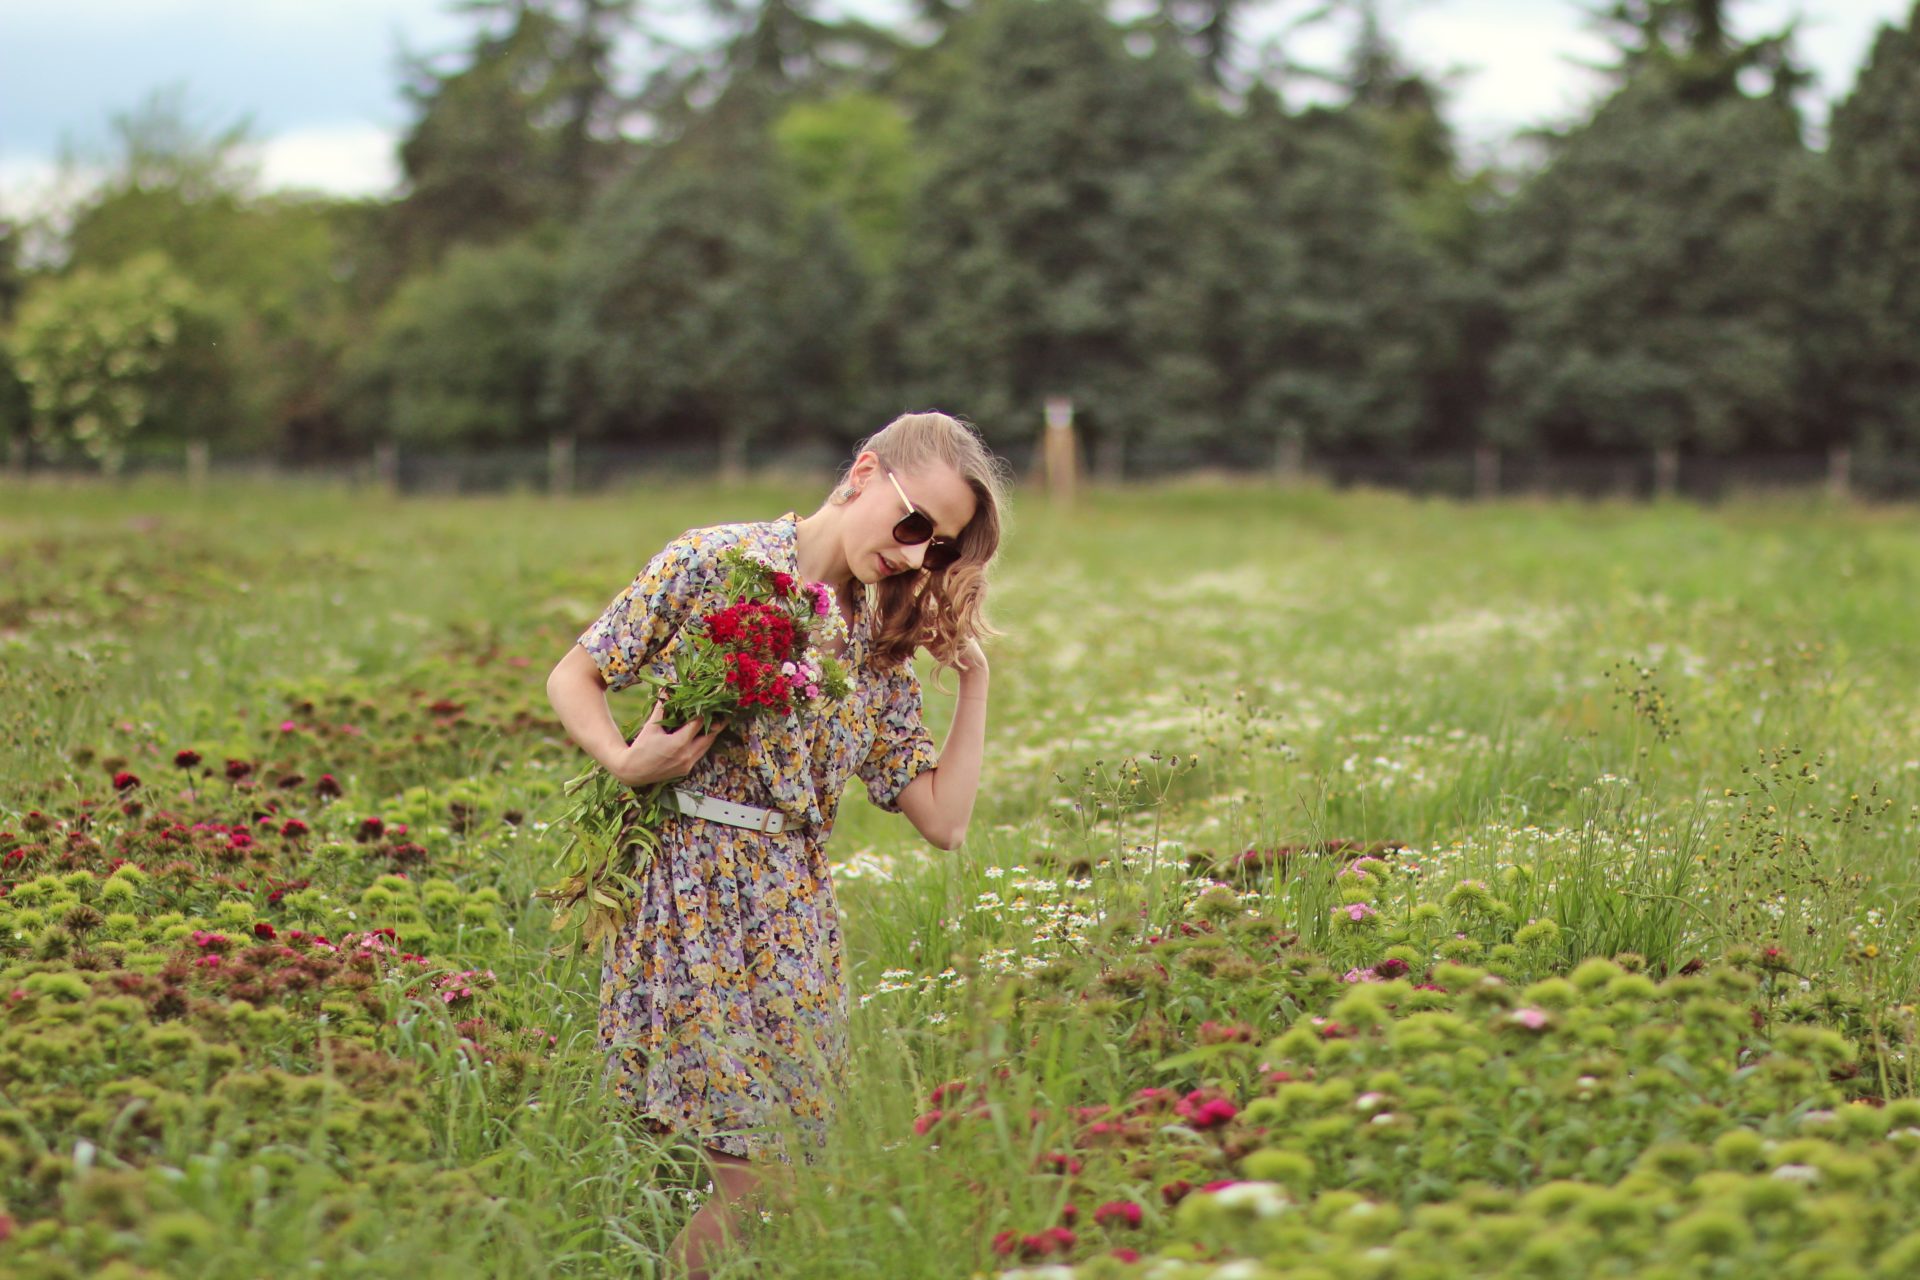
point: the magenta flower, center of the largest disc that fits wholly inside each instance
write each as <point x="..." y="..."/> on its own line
<point x="1118" y="1213"/>
<point x="1530" y="1018"/>
<point x="1356" y="911"/>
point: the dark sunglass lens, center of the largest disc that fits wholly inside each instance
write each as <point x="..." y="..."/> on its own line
<point x="913" y="529"/>
<point x="941" y="555"/>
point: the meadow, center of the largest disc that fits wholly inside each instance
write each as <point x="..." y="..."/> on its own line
<point x="1361" y="886"/>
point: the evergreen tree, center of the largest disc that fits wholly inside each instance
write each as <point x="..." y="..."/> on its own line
<point x="698" y="302"/>
<point x="522" y="131"/>
<point x="1863" y="352"/>
<point x="1690" y="45"/>
<point x="1023" y="266"/>
<point x="1649" y="276"/>
<point x="1293" y="306"/>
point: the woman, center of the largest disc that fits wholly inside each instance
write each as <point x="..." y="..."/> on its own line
<point x="722" y="1006"/>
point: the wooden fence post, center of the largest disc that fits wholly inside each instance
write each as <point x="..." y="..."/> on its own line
<point x="1840" y="473"/>
<point x="386" y="466"/>
<point x="1666" y="471"/>
<point x="1289" y="457"/>
<point x="1060" y="454"/>
<point x="197" y="465"/>
<point x="560" y="465"/>
<point x="1486" y="472"/>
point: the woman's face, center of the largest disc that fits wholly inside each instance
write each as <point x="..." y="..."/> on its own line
<point x="873" y="553"/>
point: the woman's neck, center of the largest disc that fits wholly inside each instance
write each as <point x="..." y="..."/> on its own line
<point x="819" y="555"/>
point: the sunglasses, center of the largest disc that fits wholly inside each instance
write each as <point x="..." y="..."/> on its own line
<point x="915" y="527"/>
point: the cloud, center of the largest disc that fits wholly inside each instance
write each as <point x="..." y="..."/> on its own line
<point x="347" y="160"/>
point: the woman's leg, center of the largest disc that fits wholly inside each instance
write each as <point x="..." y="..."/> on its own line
<point x="716" y="1225"/>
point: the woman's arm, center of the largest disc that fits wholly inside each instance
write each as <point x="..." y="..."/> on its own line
<point x="939" y="801"/>
<point x="578" y="693"/>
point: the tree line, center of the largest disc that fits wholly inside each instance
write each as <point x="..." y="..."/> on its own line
<point x="798" y="226"/>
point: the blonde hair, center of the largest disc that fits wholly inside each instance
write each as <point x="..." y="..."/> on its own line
<point x="941" y="610"/>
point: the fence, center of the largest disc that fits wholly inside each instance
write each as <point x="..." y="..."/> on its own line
<point x="564" y="466"/>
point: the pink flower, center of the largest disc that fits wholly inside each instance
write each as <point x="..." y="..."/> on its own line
<point x="1118" y="1213"/>
<point x="822" y="599"/>
<point x="1360" y="975"/>
<point x="1530" y="1018"/>
<point x="288" y="726"/>
<point x="1356" y="911"/>
<point x="922" y="1123"/>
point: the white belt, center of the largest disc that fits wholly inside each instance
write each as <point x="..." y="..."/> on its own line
<point x="694" y="805"/>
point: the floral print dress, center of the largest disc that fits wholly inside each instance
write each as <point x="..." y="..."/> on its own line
<point x="723" y="1008"/>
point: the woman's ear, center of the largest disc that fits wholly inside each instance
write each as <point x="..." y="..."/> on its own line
<point x="865" y="466"/>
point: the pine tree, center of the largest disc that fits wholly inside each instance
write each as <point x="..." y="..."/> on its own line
<point x="1863" y="347"/>
<point x="1022" y="265"/>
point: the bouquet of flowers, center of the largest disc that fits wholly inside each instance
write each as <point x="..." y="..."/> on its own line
<point x="758" y="654"/>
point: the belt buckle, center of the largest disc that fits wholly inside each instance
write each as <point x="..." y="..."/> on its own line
<point x="767" y="827"/>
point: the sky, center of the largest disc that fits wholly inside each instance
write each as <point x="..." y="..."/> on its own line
<point x="319" y="80"/>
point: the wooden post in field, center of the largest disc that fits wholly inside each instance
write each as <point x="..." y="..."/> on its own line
<point x="386" y="466"/>
<point x="1666" y="471"/>
<point x="1486" y="472"/>
<point x="560" y="466"/>
<point x="1840" y="473"/>
<point x="1289" y="456"/>
<point x="197" y="466"/>
<point x="1060" y="454"/>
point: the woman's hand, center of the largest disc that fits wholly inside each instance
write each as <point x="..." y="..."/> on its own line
<point x="971" y="660"/>
<point x="657" y="755"/>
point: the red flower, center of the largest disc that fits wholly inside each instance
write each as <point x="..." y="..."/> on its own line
<point x="370" y="829"/>
<point x="1068" y="1213"/>
<point x="944" y="1092"/>
<point x="264" y="931"/>
<point x="186" y="759"/>
<point x="1118" y="1213"/>
<point x="124" y="781"/>
<point x="1202" y="1111"/>
<point x="1005" y="1243"/>
<point x="760" y="630"/>
<point x="238" y="769"/>
<point x="1392" y="967"/>
<point x="782" y="583"/>
<point x="327" y="788"/>
<point x="1058" y="1162"/>
<point x="1126" y="1255"/>
<point x="293" y="828"/>
<point x="1176" y="1191"/>
<point x="925" y="1122"/>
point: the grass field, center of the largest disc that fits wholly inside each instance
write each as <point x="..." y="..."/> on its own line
<point x="1360" y="886"/>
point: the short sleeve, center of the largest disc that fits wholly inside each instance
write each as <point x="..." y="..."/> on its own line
<point x="629" y="635"/>
<point x="902" y="747"/>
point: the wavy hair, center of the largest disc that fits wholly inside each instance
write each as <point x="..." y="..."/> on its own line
<point x="941" y="610"/>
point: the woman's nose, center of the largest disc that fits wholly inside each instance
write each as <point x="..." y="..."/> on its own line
<point x="915" y="553"/>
